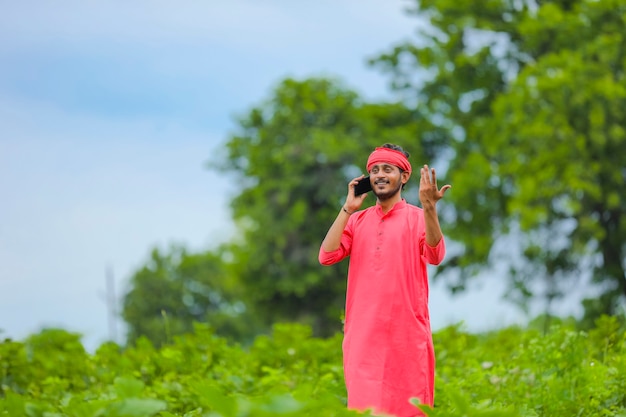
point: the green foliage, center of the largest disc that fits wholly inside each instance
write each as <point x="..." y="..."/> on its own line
<point x="509" y="372"/>
<point x="176" y="289"/>
<point x="562" y="372"/>
<point x="293" y="157"/>
<point x="534" y="95"/>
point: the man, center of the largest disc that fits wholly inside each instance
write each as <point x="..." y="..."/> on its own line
<point x="387" y="347"/>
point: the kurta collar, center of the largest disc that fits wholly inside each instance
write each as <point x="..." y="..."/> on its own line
<point x="398" y="206"/>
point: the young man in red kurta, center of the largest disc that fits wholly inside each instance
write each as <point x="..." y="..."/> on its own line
<point x="387" y="348"/>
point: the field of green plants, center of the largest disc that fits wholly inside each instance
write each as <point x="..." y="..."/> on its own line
<point x="509" y="372"/>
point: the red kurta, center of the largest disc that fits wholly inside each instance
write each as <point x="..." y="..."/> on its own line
<point x="387" y="347"/>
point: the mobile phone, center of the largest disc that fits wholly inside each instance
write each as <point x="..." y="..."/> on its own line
<point x="363" y="186"/>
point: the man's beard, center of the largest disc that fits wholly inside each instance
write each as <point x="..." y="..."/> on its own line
<point x="382" y="196"/>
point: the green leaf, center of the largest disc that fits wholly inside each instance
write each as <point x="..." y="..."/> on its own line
<point x="136" y="407"/>
<point x="128" y="387"/>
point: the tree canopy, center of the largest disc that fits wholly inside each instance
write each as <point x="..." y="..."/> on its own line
<point x="533" y="93"/>
<point x="294" y="156"/>
<point x="176" y="289"/>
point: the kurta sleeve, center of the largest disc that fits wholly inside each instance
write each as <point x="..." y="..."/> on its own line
<point x="329" y="258"/>
<point x="434" y="254"/>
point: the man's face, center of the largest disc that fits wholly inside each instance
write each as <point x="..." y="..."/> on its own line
<point x="387" y="180"/>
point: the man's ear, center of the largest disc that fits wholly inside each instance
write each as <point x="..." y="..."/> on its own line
<point x="405" y="177"/>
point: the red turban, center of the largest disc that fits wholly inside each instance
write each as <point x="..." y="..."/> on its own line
<point x="389" y="156"/>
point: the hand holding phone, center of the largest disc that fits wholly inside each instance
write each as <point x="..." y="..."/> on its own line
<point x="363" y="186"/>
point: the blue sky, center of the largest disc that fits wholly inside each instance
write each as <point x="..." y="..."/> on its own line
<point x="108" y="114"/>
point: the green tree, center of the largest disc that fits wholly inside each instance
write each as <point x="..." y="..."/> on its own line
<point x="533" y="93"/>
<point x="293" y="156"/>
<point x="175" y="290"/>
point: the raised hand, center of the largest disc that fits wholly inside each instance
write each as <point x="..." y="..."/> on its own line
<point x="429" y="194"/>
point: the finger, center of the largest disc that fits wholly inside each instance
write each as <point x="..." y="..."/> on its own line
<point x="445" y="188"/>
<point x="434" y="176"/>
<point x="424" y="173"/>
<point x="351" y="185"/>
<point x="355" y="181"/>
<point x="428" y="174"/>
